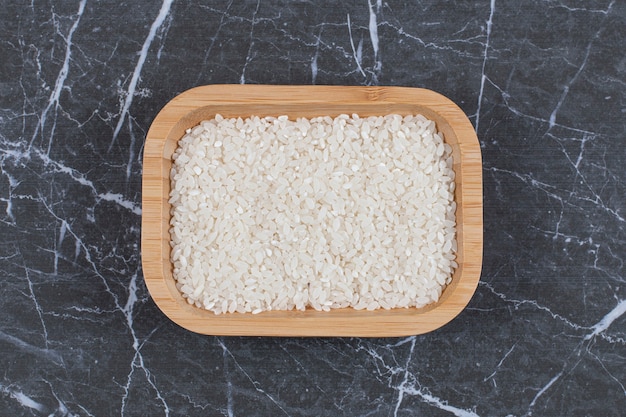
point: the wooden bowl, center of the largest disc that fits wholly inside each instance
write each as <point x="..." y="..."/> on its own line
<point x="202" y="103"/>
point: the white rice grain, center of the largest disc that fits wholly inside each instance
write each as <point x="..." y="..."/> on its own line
<point x="278" y="214"/>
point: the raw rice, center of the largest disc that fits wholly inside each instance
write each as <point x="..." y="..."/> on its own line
<point x="323" y="213"/>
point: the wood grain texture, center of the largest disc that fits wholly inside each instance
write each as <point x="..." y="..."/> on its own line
<point x="202" y="103"/>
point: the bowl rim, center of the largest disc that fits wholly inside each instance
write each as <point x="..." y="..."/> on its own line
<point x="194" y="105"/>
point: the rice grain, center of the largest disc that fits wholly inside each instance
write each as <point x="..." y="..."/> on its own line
<point x="277" y="214"/>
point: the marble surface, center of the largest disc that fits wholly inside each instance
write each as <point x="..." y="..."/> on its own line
<point x="543" y="82"/>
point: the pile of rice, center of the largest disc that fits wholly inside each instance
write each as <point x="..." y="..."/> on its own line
<point x="276" y="214"/>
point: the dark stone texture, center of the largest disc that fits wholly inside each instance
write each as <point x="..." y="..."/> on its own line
<point x="544" y="83"/>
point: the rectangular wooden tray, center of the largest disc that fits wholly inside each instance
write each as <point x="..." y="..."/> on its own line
<point x="202" y="103"/>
